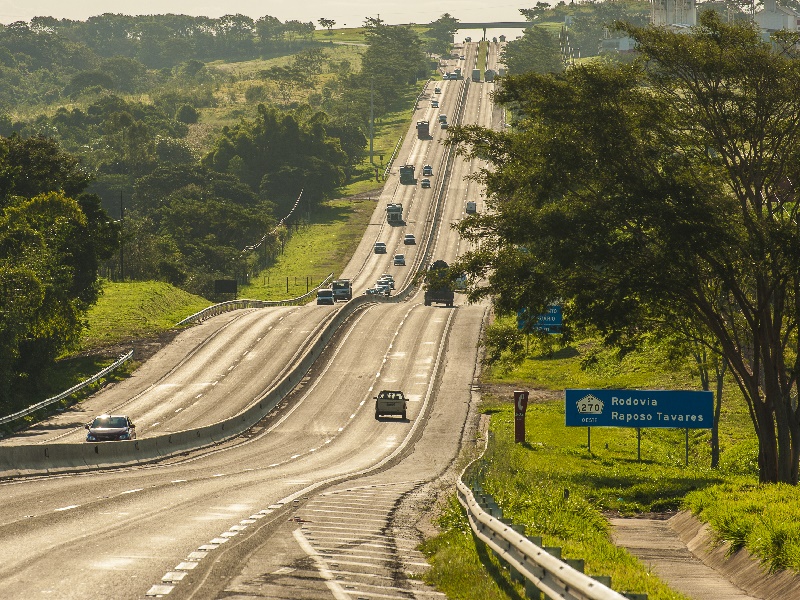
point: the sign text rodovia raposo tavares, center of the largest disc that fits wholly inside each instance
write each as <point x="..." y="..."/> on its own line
<point x="681" y="409"/>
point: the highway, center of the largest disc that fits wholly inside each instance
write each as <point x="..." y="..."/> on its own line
<point x="321" y="499"/>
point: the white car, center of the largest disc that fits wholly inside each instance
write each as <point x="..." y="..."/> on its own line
<point x="399" y="260"/>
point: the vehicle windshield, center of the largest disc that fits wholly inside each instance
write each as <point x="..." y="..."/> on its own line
<point x="109" y="422"/>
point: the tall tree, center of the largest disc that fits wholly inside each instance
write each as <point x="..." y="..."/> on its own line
<point x="440" y="34"/>
<point x="537" y="50"/>
<point x="667" y="185"/>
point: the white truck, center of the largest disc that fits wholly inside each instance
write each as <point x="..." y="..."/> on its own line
<point x="390" y="402"/>
<point x="342" y="290"/>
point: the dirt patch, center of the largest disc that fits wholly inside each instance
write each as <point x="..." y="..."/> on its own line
<point x="143" y="348"/>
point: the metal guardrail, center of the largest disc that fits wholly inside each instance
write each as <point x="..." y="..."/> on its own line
<point x="33" y="408"/>
<point x="555" y="578"/>
<point x="222" y="307"/>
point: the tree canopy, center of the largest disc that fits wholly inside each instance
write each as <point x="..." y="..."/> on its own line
<point x="658" y="190"/>
<point x="52" y="239"/>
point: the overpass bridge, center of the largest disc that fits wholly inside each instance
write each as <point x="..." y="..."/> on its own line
<point x="495" y="25"/>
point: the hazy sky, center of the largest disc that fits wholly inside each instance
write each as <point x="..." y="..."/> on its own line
<point x="344" y="12"/>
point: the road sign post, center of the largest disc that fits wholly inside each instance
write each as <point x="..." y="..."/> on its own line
<point x="520" y="406"/>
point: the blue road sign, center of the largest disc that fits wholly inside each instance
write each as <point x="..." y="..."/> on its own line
<point x="550" y="322"/>
<point x="639" y="408"/>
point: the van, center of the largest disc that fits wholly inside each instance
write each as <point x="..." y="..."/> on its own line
<point x="390" y="402"/>
<point x="325" y="296"/>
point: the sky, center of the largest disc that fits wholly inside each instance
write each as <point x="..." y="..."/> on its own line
<point x="345" y="12"/>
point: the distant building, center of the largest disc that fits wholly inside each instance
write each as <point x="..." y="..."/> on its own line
<point x="673" y="13"/>
<point x="773" y="17"/>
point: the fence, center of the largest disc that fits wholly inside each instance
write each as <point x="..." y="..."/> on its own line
<point x="540" y="567"/>
<point x="218" y="309"/>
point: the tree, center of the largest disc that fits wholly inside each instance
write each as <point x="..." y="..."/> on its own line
<point x="327" y="24"/>
<point x="661" y="186"/>
<point x="440" y="34"/>
<point x="537" y="50"/>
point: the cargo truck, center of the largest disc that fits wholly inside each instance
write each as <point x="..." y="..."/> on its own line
<point x="394" y="213"/>
<point x="407" y="174"/>
<point x="438" y="287"/>
<point x="342" y="290"/>
<point x="476" y="74"/>
<point x="423" y="130"/>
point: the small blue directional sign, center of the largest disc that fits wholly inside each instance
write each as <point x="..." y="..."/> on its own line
<point x="549" y="322"/>
<point x="639" y="408"/>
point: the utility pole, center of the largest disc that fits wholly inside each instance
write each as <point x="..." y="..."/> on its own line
<point x="122" y="239"/>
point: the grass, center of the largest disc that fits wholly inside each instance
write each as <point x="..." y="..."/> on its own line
<point x="135" y="310"/>
<point x="314" y="251"/>
<point x="529" y="480"/>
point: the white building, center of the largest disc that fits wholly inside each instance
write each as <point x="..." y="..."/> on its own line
<point x="673" y="13"/>
<point x="772" y="18"/>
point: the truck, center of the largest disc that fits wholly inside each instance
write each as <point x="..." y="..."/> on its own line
<point x="394" y="213"/>
<point x="488" y="75"/>
<point x="342" y="289"/>
<point x="407" y="174"/>
<point x="325" y="296"/>
<point x="390" y="402"/>
<point x="476" y="74"/>
<point x="438" y="287"/>
<point x="423" y="130"/>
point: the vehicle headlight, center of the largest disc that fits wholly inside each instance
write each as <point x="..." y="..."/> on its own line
<point x="90" y="437"/>
<point x="125" y="436"/>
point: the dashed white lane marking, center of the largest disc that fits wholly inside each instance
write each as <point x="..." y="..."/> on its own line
<point x="70" y="507"/>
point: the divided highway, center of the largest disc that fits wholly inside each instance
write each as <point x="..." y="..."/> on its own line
<point x="319" y="500"/>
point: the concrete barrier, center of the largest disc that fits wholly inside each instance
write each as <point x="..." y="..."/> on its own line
<point x="23" y="460"/>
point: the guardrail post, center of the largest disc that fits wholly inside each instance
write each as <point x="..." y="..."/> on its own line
<point x="604" y="579"/>
<point x="553" y="551"/>
<point x="576" y="563"/>
<point x="516" y="575"/>
<point x="531" y="591"/>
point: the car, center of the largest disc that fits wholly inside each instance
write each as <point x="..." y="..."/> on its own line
<point x="379" y="248"/>
<point x="399" y="260"/>
<point x="426" y="183"/>
<point x="108" y="428"/>
<point x="427" y="171"/>
<point x="374" y="291"/>
<point x="325" y="296"/>
<point x="389" y="277"/>
<point x="444" y="125"/>
<point x="442" y="118"/>
<point x="388" y="282"/>
<point x="409" y="239"/>
<point x="434" y="104"/>
<point x="437" y="90"/>
<point x="383" y="290"/>
<point x="462" y="57"/>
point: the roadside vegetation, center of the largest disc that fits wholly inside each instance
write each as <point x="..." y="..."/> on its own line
<point x="145" y="143"/>
<point x="557" y="488"/>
